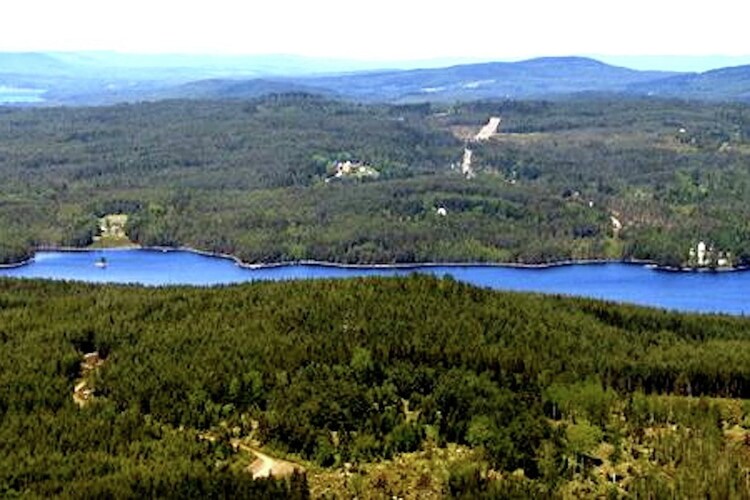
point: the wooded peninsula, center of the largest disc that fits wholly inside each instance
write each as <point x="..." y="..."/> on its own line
<point x="418" y="387"/>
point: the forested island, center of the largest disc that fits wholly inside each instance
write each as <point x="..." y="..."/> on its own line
<point x="264" y="180"/>
<point x="412" y="387"/>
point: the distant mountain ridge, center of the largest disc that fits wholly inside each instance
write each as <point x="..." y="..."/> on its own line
<point x="93" y="78"/>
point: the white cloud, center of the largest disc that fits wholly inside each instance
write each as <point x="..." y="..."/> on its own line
<point x="387" y="29"/>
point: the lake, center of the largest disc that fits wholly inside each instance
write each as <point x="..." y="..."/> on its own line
<point x="725" y="292"/>
<point x="15" y="95"/>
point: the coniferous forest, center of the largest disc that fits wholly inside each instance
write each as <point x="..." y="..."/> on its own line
<point x="478" y="393"/>
<point x="411" y="387"/>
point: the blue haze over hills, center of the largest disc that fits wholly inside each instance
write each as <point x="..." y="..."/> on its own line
<point x="94" y="78"/>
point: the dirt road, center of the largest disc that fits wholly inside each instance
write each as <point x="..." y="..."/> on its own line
<point x="265" y="465"/>
<point x="488" y="130"/>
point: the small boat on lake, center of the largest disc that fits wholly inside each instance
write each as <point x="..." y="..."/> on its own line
<point x="101" y="263"/>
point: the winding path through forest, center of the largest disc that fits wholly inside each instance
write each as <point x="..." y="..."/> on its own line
<point x="485" y="133"/>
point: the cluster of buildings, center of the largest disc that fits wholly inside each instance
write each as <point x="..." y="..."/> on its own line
<point x="701" y="255"/>
<point x="352" y="169"/>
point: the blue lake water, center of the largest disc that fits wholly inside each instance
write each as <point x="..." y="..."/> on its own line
<point x="702" y="292"/>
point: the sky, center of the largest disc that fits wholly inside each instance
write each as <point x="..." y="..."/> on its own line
<point x="384" y="30"/>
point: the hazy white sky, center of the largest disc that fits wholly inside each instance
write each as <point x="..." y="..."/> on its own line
<point x="382" y="29"/>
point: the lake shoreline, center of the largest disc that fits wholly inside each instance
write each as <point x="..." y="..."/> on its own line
<point x="624" y="282"/>
<point x="402" y="266"/>
<point x="13" y="265"/>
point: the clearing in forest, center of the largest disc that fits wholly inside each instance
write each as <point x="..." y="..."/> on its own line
<point x="83" y="390"/>
<point x="488" y="130"/>
<point x="112" y="231"/>
<point x="265" y="465"/>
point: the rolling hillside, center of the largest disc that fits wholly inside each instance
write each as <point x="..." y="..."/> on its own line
<point x="541" y="77"/>
<point x="726" y="84"/>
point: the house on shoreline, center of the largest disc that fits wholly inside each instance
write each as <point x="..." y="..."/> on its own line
<point x="703" y="255"/>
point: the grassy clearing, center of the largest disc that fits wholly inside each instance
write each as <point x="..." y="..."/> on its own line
<point x="112" y="232"/>
<point x="422" y="474"/>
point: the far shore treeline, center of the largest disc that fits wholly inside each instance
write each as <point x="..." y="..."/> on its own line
<point x="256" y="179"/>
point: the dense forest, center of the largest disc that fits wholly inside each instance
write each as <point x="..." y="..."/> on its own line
<point x="492" y="394"/>
<point x="254" y="178"/>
